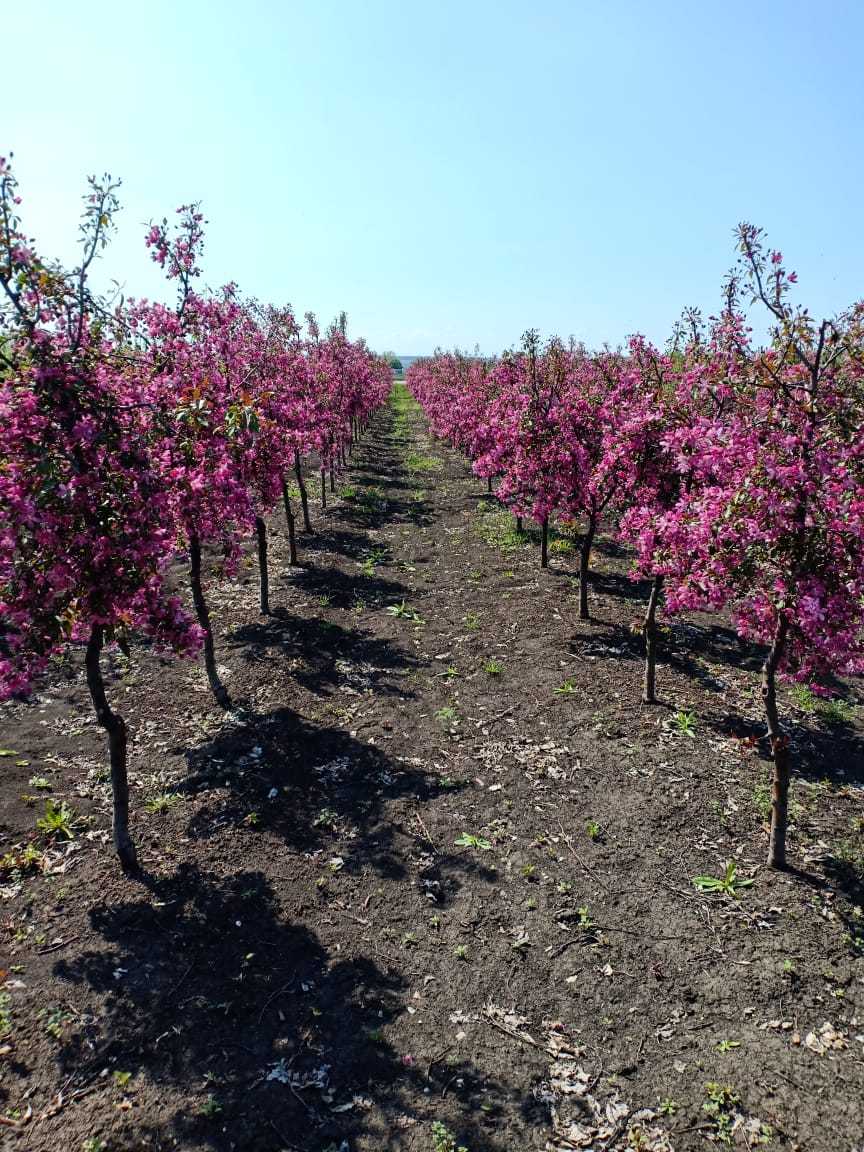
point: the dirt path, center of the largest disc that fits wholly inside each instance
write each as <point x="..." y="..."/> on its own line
<point x="436" y="867"/>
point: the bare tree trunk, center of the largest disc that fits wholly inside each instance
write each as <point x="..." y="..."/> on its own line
<point x="519" y="527"/>
<point x="323" y="488"/>
<point x="544" y="542"/>
<point x="292" y="528"/>
<point x="332" y="479"/>
<point x="216" y="685"/>
<point x="261" y="533"/>
<point x="649" y="631"/>
<point x="489" y="485"/>
<point x="584" y="561"/>
<point x="304" y="498"/>
<point x="779" y="749"/>
<point x="115" y="726"/>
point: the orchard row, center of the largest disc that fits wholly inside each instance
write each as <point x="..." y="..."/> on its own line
<point x="734" y="470"/>
<point x="133" y="433"/>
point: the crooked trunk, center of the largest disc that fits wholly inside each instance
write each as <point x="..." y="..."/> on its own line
<point x="116" y="730"/>
<point x="304" y="497"/>
<point x="649" y="631"/>
<point x="779" y="749"/>
<point x="201" y="611"/>
<point x="292" y="527"/>
<point x="261" y="533"/>
<point x="584" y="563"/>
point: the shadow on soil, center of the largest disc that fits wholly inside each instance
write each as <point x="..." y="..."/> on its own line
<point x="213" y="993"/>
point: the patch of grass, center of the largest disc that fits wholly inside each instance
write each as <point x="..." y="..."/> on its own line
<point x="567" y="688"/>
<point x="833" y="711"/>
<point x="471" y="620"/>
<point x="160" y="804"/>
<point x="416" y="462"/>
<point x="497" y="528"/>
<point x="561" y="545"/>
<point x="493" y="668"/>
<point x="762" y="804"/>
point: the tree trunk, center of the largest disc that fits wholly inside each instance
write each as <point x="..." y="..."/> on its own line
<point x="304" y="498"/>
<point x="544" y="542"/>
<point x="216" y="685"/>
<point x="292" y="528"/>
<point x="779" y="749"/>
<point x="584" y="561"/>
<point x="323" y="488"/>
<point x="116" y="729"/>
<point x="261" y="533"/>
<point x="519" y="527"/>
<point x="649" y="631"/>
<point x="489" y="485"/>
<point x="332" y="479"/>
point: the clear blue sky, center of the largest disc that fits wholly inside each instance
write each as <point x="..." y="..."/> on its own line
<point x="456" y="171"/>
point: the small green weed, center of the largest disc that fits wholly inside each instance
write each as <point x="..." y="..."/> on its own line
<point x="729" y="884"/>
<point x="721" y="1104"/>
<point x="468" y="840"/>
<point x="57" y="820"/>
<point x="493" y="668"/>
<point x="211" y="1106"/>
<point x="443" y="1139"/>
<point x="403" y="612"/>
<point x="684" y="723"/>
<point x="567" y="688"/>
<point x="728" y="1045"/>
<point x="160" y="804"/>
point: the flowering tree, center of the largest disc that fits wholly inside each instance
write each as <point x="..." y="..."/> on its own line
<point x="86" y="521"/>
<point x="775" y="526"/>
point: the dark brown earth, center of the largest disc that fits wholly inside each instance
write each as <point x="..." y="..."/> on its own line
<point x="310" y="961"/>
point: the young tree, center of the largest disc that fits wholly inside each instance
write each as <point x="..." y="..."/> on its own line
<point x="775" y="527"/>
<point x="87" y="522"/>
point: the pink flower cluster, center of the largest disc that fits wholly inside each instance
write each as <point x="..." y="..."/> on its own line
<point x="736" y="472"/>
<point x="125" y="432"/>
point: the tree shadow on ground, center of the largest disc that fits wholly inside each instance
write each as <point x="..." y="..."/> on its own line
<point x="319" y="789"/>
<point x="324" y="657"/>
<point x="608" y="639"/>
<point x="346" y="589"/>
<point x="328" y="538"/>
<point x="238" y="1028"/>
